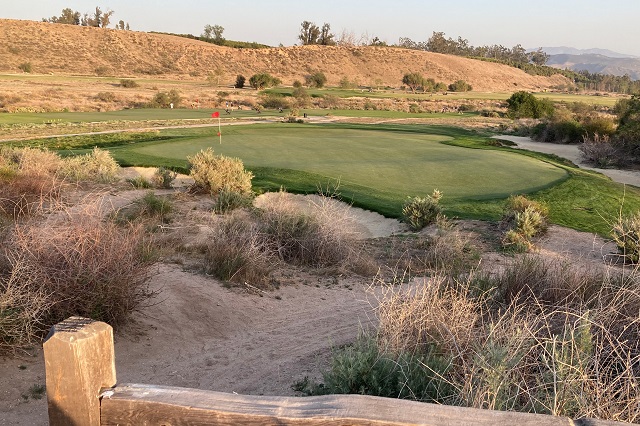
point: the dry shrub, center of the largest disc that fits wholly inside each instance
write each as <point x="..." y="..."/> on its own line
<point x="23" y="306"/>
<point x="96" y="166"/>
<point x="236" y="252"/>
<point x="322" y="236"/>
<point x="30" y="161"/>
<point x="213" y="173"/>
<point x="525" y="219"/>
<point x="414" y="317"/>
<point x="90" y="267"/>
<point x="626" y="234"/>
<point x="27" y="194"/>
<point x="570" y="347"/>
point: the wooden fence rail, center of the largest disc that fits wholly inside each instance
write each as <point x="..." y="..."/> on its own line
<point x="82" y="391"/>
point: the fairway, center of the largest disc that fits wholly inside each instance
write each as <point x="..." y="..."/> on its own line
<point x="404" y="163"/>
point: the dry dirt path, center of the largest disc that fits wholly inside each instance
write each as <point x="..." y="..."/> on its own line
<point x="573" y="154"/>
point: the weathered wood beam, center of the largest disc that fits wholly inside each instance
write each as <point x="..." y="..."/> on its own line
<point x="79" y="362"/>
<point x="134" y="404"/>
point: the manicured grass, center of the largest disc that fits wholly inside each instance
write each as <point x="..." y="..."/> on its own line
<point x="378" y="166"/>
<point x="138" y="114"/>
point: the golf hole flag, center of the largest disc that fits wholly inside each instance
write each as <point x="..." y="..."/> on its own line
<point x="217" y="115"/>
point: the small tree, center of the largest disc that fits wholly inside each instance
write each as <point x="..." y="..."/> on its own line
<point x="263" y="80"/>
<point x="524" y="105"/>
<point x="317" y="79"/>
<point x="460" y="86"/>
<point x="309" y="33"/>
<point x="413" y="80"/>
<point x="240" y="80"/>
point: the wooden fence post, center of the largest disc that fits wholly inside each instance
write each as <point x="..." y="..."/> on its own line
<point x="79" y="362"/>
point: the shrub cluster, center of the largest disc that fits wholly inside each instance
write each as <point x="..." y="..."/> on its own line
<point x="74" y="263"/>
<point x="541" y="337"/>
<point x="214" y="173"/>
<point x="419" y="212"/>
<point x="244" y="246"/>
<point x="626" y="235"/>
<point x="525" y="219"/>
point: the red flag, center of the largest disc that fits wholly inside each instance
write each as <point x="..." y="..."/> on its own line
<point x="215" y="114"/>
<point x="219" y="134"/>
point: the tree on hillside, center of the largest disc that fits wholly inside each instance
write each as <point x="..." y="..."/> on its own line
<point x="106" y="19"/>
<point x="68" y="16"/>
<point x="213" y="34"/>
<point x="538" y="57"/>
<point x="413" y="80"/>
<point x="326" y="37"/>
<point x="309" y="33"/>
<point x="240" y="80"/>
<point x="263" y="80"/>
<point x="317" y="79"/>
<point x="629" y="120"/>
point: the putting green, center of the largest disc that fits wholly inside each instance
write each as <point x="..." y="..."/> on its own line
<point x="405" y="163"/>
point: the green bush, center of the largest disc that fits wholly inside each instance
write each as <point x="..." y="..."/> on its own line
<point x="128" y="83"/>
<point x="363" y="369"/>
<point x="526" y="219"/>
<point x="419" y="212"/>
<point x="460" y="86"/>
<point x="240" y="81"/>
<point x="626" y="235"/>
<point x="274" y="101"/>
<point x="165" y="99"/>
<point x="525" y="105"/>
<point x="230" y="200"/>
<point x="214" y="173"/>
<point x="317" y="79"/>
<point x="26" y="67"/>
<point x="163" y="178"/>
<point x="263" y="80"/>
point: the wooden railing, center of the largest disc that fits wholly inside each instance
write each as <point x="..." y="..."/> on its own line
<point x="82" y="391"/>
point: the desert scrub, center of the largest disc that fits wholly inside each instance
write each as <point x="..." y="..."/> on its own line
<point x="236" y="251"/>
<point x="23" y="306"/>
<point x="568" y="351"/>
<point x="227" y="201"/>
<point x="96" y="166"/>
<point x="419" y="212"/>
<point x="525" y="219"/>
<point x="366" y="369"/>
<point x="320" y="236"/>
<point x="163" y="178"/>
<point x="86" y="265"/>
<point x="626" y="234"/>
<point x="213" y="173"/>
<point x="148" y="207"/>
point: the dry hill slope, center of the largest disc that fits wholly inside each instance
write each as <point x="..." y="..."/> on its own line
<point x="69" y="49"/>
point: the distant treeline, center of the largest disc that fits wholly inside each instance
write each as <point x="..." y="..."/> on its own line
<point x="530" y="62"/>
<point x="228" y="43"/>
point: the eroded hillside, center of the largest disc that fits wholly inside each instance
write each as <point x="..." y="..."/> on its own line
<point x="69" y="49"/>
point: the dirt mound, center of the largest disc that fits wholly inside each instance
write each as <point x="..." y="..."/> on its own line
<point x="72" y="49"/>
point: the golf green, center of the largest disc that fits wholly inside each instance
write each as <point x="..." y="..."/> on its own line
<point x="395" y="162"/>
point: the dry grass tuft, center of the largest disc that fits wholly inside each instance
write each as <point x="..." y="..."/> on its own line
<point x="87" y="266"/>
<point x="565" y="343"/>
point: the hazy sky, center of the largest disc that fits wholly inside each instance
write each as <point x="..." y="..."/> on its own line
<point x="608" y="24"/>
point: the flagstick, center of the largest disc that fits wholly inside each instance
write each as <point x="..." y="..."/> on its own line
<point x="219" y="130"/>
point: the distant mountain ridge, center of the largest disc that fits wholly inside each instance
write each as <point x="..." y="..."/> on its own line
<point x="564" y="50"/>
<point x="597" y="64"/>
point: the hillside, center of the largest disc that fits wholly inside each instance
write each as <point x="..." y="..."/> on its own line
<point x="597" y="64"/>
<point x="67" y="49"/>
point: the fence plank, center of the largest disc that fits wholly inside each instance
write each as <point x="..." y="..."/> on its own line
<point x="135" y="404"/>
<point x="79" y="361"/>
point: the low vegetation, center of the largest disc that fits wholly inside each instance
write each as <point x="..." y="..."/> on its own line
<point x="524" y="219"/>
<point x="215" y="173"/>
<point x="531" y="338"/>
<point x="419" y="212"/>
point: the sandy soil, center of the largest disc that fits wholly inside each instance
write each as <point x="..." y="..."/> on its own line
<point x="573" y="154"/>
<point x="200" y="334"/>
